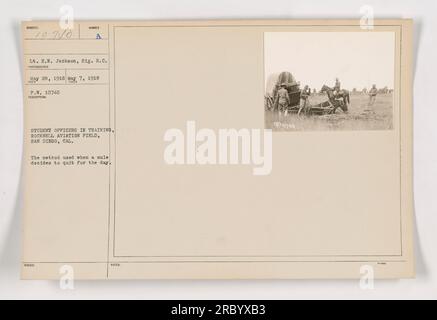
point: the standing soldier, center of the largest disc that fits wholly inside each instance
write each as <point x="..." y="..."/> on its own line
<point x="282" y="98"/>
<point x="372" y="95"/>
<point x="337" y="87"/>
<point x="304" y="95"/>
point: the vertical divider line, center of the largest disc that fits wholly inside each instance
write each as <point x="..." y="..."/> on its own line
<point x="115" y="140"/>
<point x="110" y="156"/>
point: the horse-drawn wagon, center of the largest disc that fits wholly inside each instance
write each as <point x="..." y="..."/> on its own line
<point x="287" y="81"/>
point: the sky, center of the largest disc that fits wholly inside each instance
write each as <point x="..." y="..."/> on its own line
<point x="358" y="59"/>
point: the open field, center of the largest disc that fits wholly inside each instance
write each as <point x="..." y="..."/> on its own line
<point x="359" y="117"/>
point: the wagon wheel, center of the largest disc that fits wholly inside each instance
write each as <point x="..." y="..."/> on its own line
<point x="269" y="102"/>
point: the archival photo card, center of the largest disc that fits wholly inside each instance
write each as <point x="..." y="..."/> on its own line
<point x="274" y="149"/>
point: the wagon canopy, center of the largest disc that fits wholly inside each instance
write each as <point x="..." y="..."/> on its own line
<point x="287" y="78"/>
<point x="291" y="85"/>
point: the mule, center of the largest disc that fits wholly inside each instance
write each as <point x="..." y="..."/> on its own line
<point x="341" y="100"/>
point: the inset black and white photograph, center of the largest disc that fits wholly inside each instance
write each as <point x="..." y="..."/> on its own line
<point x="329" y="80"/>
